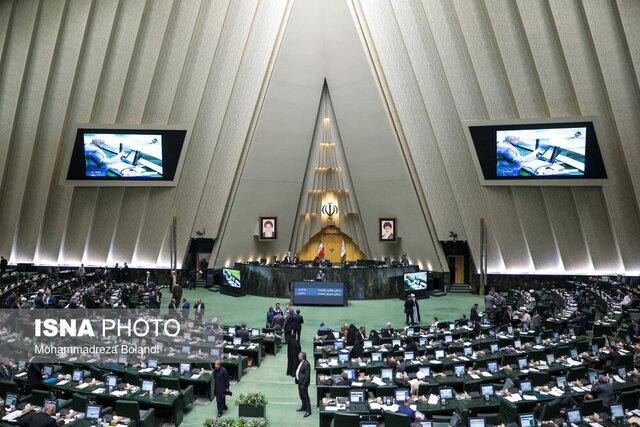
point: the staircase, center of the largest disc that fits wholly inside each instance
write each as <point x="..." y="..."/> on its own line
<point x="460" y="288"/>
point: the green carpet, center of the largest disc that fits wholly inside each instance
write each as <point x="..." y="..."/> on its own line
<point x="270" y="378"/>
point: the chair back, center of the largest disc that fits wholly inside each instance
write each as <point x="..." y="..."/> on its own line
<point x="79" y="402"/>
<point x="508" y="412"/>
<point x="38" y="396"/>
<point x="629" y="399"/>
<point x="170" y="383"/>
<point x="539" y="378"/>
<point x="590" y="407"/>
<point x="551" y="410"/>
<point x="339" y="391"/>
<point x="386" y="390"/>
<point x="392" y="419"/>
<point x="346" y="420"/>
<point x="128" y="408"/>
<point x="132" y="378"/>
<point x="577" y="373"/>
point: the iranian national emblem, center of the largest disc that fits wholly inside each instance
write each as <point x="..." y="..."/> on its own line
<point x="329" y="209"/>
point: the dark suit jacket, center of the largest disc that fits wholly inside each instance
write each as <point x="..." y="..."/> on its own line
<point x="305" y="374"/>
<point x="7" y="374"/>
<point x="475" y="317"/>
<point x="604" y="392"/>
<point x="242" y="333"/>
<point x="34" y="374"/>
<point x="40" y="419"/>
<point x="408" y="305"/>
<point x="296" y="322"/>
<point x="387" y="332"/>
<point x="615" y="359"/>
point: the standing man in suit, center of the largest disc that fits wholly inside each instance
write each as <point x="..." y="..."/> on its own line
<point x="296" y="260"/>
<point x="289" y="321"/>
<point x="3" y="265"/>
<point x="474" y="317"/>
<point x="286" y="260"/>
<point x="321" y="277"/>
<point x="221" y="386"/>
<point x="81" y="274"/>
<point x="204" y="265"/>
<point x="198" y="307"/>
<point x="34" y="372"/>
<point x="50" y="300"/>
<point x="409" y="304"/>
<point x="185" y="308"/>
<point x="38" y="301"/>
<point x="298" y="320"/>
<point x="6" y="371"/>
<point x="303" y="378"/>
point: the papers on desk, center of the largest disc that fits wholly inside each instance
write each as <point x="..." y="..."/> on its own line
<point x="20" y="375"/>
<point x="556" y="392"/>
<point x="356" y="384"/>
<point x="538" y="347"/>
<point x="433" y="399"/>
<point x="63" y="382"/>
<point x="195" y="376"/>
<point x="572" y="362"/>
<point x="98" y="391"/>
<point x="474" y="376"/>
<point x="118" y="393"/>
<point x="529" y="397"/>
<point x="514" y="398"/>
<point x="145" y="370"/>
<point x="618" y="379"/>
<point x="242" y="347"/>
<point x="166" y="372"/>
<point x="485" y="374"/>
<point x="331" y="408"/>
<point x="374" y="406"/>
<point x="362" y="364"/>
<point x="377" y="381"/>
<point x="466" y="359"/>
<point x="594" y="424"/>
<point x="11" y="416"/>
<point x="436" y="362"/>
<point x="83" y="385"/>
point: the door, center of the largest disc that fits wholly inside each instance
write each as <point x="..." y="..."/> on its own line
<point x="456" y="268"/>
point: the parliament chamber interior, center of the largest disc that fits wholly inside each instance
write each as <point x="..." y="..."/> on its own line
<point x="332" y="213"/>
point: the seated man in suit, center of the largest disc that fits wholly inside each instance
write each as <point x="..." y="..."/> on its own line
<point x="634" y="331"/>
<point x="613" y="359"/>
<point x="387" y="331"/>
<point x="243" y="333"/>
<point x="6" y="371"/>
<point x="580" y="320"/>
<point x="344" y="379"/>
<point x="406" y="409"/>
<point x="43" y="419"/>
<point x="602" y="389"/>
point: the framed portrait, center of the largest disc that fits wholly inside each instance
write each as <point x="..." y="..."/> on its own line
<point x="268" y="228"/>
<point x="388" y="229"/>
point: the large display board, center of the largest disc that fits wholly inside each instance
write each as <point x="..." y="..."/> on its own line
<point x="558" y="151"/>
<point x="318" y="293"/>
<point x="415" y="281"/>
<point x="108" y="155"/>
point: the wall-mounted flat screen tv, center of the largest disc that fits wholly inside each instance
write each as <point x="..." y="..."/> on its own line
<point x="537" y="152"/>
<point x="125" y="155"/>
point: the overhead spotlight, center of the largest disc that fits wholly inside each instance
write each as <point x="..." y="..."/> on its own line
<point x="453" y="236"/>
<point x="200" y="233"/>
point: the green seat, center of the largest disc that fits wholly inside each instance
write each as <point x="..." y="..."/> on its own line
<point x="600" y="341"/>
<point x="8" y="387"/>
<point x="425" y="389"/>
<point x="629" y="399"/>
<point x="563" y="351"/>
<point x="539" y="378"/>
<point x="441" y="418"/>
<point x="590" y="407"/>
<point x="490" y="418"/>
<point x="132" y="378"/>
<point x="39" y="396"/>
<point x="508" y="412"/>
<point x="170" y="383"/>
<point x="131" y="409"/>
<point x="550" y="410"/>
<point x="577" y="373"/>
<point x="510" y="359"/>
<point x="538" y="355"/>
<point x="79" y="402"/>
<point x="339" y="391"/>
<point x="346" y="420"/>
<point x="392" y="419"/>
<point x="386" y="391"/>
<point x="372" y="370"/>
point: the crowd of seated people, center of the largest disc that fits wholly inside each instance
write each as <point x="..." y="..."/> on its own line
<point x="566" y="341"/>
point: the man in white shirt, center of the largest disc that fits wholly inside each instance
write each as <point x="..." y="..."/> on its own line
<point x="628" y="300"/>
